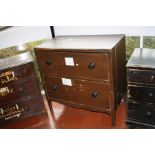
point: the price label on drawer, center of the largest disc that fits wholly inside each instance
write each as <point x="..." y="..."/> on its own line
<point x="67" y="82"/>
<point x="69" y="61"/>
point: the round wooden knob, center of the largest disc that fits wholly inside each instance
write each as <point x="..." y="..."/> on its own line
<point x="94" y="94"/>
<point x="91" y="65"/>
<point x="48" y="62"/>
<point x="55" y="88"/>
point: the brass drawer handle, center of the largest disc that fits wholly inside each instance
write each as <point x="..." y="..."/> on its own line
<point x="91" y="65"/>
<point x="55" y="88"/>
<point x="8" y="77"/>
<point x="4" y="91"/>
<point x="94" y="94"/>
<point x="48" y="62"/>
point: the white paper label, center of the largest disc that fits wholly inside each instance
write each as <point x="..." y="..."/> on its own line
<point x="69" y="61"/>
<point x="67" y="82"/>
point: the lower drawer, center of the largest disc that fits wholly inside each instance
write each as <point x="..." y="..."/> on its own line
<point x="82" y="92"/>
<point x="141" y="113"/>
<point x="20" y="110"/>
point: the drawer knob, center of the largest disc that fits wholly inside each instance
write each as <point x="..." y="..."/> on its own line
<point x="55" y="88"/>
<point x="152" y="78"/>
<point x="21" y="91"/>
<point x="91" y="65"/>
<point x="148" y="114"/>
<point x="48" y="62"/>
<point x="94" y="94"/>
<point x="151" y="94"/>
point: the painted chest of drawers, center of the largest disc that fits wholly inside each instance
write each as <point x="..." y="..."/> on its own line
<point x="20" y="95"/>
<point x="84" y="71"/>
<point x="141" y="89"/>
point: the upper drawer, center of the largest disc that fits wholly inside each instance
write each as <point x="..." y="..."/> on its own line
<point x="141" y="76"/>
<point x="18" y="91"/>
<point x="16" y="74"/>
<point x="75" y="65"/>
<point x="83" y="92"/>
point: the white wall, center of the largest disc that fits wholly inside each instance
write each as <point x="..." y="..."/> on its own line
<point x="128" y="30"/>
<point x="23" y="34"/>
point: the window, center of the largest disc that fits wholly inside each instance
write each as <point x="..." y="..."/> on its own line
<point x="149" y="42"/>
<point x="132" y="42"/>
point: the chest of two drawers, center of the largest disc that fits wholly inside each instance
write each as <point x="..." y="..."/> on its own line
<point x="85" y="83"/>
<point x="84" y="71"/>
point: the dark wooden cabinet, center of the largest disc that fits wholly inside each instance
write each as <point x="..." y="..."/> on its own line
<point x="141" y="89"/>
<point x="84" y="71"/>
<point x="20" y="95"/>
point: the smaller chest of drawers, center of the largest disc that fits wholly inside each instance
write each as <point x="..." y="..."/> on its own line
<point x="20" y="95"/>
<point x="141" y="89"/>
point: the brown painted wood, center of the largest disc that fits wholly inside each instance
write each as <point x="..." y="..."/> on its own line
<point x="18" y="91"/>
<point x="21" y="73"/>
<point x="89" y="93"/>
<point x="55" y="62"/>
<point x="21" y="109"/>
<point x="20" y="95"/>
<point x="107" y="53"/>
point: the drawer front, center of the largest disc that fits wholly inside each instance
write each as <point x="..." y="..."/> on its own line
<point x="93" y="94"/>
<point x="16" y="74"/>
<point x="141" y="93"/>
<point x="18" y="91"/>
<point x="23" y="109"/>
<point x="68" y="64"/>
<point x="141" y="76"/>
<point x="141" y="113"/>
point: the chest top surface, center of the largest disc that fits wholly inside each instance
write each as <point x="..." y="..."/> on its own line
<point x="142" y="58"/>
<point x="82" y="42"/>
<point x="16" y="60"/>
